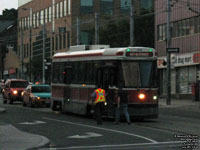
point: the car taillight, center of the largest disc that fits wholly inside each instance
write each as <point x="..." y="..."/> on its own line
<point x="15" y="92"/>
<point x="141" y="96"/>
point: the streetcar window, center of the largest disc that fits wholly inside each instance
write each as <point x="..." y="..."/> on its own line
<point x="139" y="74"/>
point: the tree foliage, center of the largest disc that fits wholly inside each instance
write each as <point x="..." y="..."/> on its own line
<point x="117" y="34"/>
<point x="12" y="13"/>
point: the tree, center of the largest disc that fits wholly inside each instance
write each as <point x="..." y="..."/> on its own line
<point x="12" y="13"/>
<point x="117" y="34"/>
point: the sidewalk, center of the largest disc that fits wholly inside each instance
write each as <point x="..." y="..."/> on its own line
<point x="13" y="139"/>
<point x="180" y="103"/>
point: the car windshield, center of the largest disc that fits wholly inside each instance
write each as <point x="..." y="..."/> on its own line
<point x="19" y="84"/>
<point x="41" y="89"/>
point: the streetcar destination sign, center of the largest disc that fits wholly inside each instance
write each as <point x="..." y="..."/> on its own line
<point x="139" y="54"/>
<point x="172" y="49"/>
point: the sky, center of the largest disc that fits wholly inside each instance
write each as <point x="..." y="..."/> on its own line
<point x="8" y="4"/>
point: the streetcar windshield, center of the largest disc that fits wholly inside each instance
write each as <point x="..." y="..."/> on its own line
<point x="139" y="74"/>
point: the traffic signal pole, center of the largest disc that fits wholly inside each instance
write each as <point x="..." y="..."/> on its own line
<point x="168" y="102"/>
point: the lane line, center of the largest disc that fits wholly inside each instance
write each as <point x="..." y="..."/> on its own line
<point x="158" y="144"/>
<point x="100" y="128"/>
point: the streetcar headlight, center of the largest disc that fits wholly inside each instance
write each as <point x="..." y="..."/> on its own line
<point x="22" y="93"/>
<point x="155" y="97"/>
<point x="141" y="96"/>
<point x="15" y="92"/>
<point x="105" y="103"/>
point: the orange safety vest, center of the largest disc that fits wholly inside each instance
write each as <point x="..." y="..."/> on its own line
<point x="100" y="96"/>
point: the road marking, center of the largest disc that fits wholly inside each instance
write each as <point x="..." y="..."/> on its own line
<point x="119" y="145"/>
<point x="100" y="128"/>
<point x="33" y="123"/>
<point x="87" y="135"/>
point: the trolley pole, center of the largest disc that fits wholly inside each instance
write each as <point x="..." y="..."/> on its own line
<point x="168" y="102"/>
<point x="43" y="55"/>
<point x="96" y="28"/>
<point x="132" y="24"/>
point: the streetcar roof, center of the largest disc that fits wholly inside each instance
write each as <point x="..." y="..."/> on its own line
<point x="97" y="52"/>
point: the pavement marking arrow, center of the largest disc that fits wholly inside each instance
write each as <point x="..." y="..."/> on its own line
<point x="88" y="135"/>
<point x="33" y="123"/>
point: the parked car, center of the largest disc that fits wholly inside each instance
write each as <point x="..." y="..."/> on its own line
<point x="37" y="94"/>
<point x="12" y="90"/>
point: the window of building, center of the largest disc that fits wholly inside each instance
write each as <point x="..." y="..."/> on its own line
<point x="64" y="40"/>
<point x="106" y="7"/>
<point x="146" y="4"/>
<point x="60" y="41"/>
<point x="125" y="6"/>
<point x="49" y="14"/>
<point x="68" y="39"/>
<point x="56" y="42"/>
<point x="52" y="48"/>
<point x="34" y="20"/>
<point x="57" y="11"/>
<point x="38" y="19"/>
<point x="42" y="17"/>
<point x="161" y="32"/>
<point x="46" y="15"/>
<point x="61" y="9"/>
<point x="65" y="8"/>
<point x="86" y="7"/>
<point x="69" y="7"/>
<point x="85" y="37"/>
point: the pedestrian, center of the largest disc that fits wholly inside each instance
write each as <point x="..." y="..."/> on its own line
<point x="99" y="101"/>
<point x="121" y="104"/>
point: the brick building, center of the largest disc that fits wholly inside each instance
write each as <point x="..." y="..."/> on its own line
<point x="8" y="46"/>
<point x="185" y="33"/>
<point x="58" y="18"/>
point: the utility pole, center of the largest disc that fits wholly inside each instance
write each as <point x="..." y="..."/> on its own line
<point x="96" y="28"/>
<point x="78" y="31"/>
<point x="22" y="53"/>
<point x="168" y="54"/>
<point x="132" y="24"/>
<point x="43" y="54"/>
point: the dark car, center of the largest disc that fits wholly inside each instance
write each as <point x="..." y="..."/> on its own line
<point x="37" y="94"/>
<point x="12" y="90"/>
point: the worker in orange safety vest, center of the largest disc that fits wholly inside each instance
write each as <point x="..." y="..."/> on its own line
<point x="99" y="101"/>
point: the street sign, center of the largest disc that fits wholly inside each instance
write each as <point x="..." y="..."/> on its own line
<point x="175" y="50"/>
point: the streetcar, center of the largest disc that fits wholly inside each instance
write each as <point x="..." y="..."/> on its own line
<point x="77" y="73"/>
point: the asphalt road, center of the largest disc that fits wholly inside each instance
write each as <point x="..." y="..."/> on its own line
<point x="67" y="131"/>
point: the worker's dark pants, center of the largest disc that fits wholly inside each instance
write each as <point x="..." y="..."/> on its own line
<point x="99" y="108"/>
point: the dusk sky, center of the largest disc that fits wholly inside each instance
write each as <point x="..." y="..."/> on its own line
<point x="8" y="4"/>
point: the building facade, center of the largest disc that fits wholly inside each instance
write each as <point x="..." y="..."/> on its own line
<point x="185" y="35"/>
<point x="59" y="24"/>
<point x="8" y="46"/>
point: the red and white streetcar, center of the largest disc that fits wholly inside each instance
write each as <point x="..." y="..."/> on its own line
<point x="77" y="73"/>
